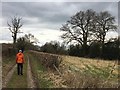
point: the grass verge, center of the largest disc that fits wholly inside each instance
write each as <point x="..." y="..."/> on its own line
<point x="38" y="72"/>
<point x="7" y="64"/>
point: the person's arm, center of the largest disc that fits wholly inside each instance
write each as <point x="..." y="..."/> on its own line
<point x="23" y="59"/>
<point x="16" y="58"/>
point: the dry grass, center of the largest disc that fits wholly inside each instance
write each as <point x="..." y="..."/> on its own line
<point x="79" y="72"/>
<point x="82" y="62"/>
<point x="96" y="62"/>
<point x="89" y="73"/>
<point x="7" y="64"/>
<point x="47" y="60"/>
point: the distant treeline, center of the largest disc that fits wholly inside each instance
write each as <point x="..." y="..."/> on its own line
<point x="111" y="50"/>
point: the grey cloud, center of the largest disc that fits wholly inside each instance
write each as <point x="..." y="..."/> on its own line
<point x="48" y="15"/>
<point x="6" y="36"/>
<point x="51" y="14"/>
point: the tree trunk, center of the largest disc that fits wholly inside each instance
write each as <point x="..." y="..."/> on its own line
<point x="14" y="38"/>
<point x="102" y="46"/>
<point x="85" y="47"/>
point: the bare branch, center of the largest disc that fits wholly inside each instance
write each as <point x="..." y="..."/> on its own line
<point x="14" y="27"/>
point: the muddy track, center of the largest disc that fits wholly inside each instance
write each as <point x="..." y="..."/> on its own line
<point x="30" y="79"/>
<point x="8" y="77"/>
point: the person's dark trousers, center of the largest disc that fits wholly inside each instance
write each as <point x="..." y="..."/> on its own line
<point x="20" y="68"/>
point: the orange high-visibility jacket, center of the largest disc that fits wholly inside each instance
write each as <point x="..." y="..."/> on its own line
<point x="20" y="58"/>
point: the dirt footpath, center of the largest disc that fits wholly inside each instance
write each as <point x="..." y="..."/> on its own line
<point x="8" y="77"/>
<point x="30" y="80"/>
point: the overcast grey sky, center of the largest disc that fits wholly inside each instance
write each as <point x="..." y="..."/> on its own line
<point x="44" y="19"/>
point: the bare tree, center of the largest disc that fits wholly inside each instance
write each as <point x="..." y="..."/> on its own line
<point x="80" y="28"/>
<point x="105" y="22"/>
<point x="31" y="38"/>
<point x="14" y="27"/>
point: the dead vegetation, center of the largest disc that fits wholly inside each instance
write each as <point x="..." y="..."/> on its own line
<point x="75" y="72"/>
<point x="48" y="60"/>
<point x="88" y="73"/>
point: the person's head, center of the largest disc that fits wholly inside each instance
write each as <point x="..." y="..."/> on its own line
<point x="20" y="51"/>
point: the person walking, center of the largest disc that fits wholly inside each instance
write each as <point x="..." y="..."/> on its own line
<point x="20" y="62"/>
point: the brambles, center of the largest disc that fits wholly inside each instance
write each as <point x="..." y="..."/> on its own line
<point x="47" y="60"/>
